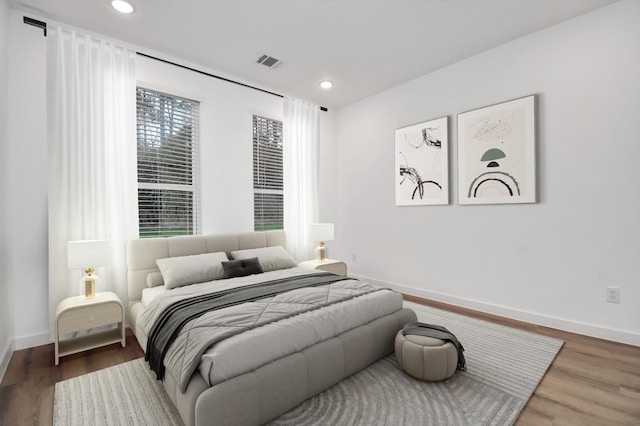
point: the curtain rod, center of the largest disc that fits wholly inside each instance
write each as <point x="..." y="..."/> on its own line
<point x="215" y="76"/>
<point x="43" y="25"/>
<point x="35" y="23"/>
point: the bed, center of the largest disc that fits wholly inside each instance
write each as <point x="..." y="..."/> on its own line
<point x="248" y="363"/>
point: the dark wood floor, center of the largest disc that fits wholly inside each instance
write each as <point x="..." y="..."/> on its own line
<point x="26" y="392"/>
<point x="591" y="381"/>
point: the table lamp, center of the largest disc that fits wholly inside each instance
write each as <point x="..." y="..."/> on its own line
<point x="321" y="232"/>
<point x="87" y="255"/>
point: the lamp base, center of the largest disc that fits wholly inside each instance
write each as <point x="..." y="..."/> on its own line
<point x="321" y="251"/>
<point x="89" y="287"/>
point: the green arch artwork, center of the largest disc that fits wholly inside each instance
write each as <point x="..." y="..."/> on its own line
<point x="493" y="154"/>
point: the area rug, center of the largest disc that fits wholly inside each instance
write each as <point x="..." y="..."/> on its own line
<point x="504" y="366"/>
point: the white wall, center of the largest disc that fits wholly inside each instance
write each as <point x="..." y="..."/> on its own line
<point x="548" y="262"/>
<point x="26" y="201"/>
<point x="6" y="293"/>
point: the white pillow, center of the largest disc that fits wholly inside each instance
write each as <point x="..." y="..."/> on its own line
<point x="185" y="270"/>
<point x="148" y="294"/>
<point x="270" y="258"/>
<point x="154" y="279"/>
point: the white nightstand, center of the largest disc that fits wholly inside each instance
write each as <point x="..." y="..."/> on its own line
<point x="336" y="266"/>
<point x="78" y="313"/>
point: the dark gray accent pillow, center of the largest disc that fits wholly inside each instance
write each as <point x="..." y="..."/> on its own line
<point x="241" y="267"/>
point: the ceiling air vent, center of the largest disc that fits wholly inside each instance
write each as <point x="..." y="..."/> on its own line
<point x="268" y="61"/>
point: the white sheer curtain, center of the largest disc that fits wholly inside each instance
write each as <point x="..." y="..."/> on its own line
<point x="300" y="131"/>
<point x="92" y="156"/>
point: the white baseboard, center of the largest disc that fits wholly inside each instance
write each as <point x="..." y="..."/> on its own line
<point x="5" y="357"/>
<point x="25" y="342"/>
<point x="621" y="336"/>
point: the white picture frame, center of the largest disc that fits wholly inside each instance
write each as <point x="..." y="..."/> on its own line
<point x="422" y="163"/>
<point x="496" y="153"/>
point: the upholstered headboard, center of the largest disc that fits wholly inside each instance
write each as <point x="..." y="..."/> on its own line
<point x="142" y="253"/>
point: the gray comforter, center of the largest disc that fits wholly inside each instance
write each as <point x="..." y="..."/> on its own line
<point x="183" y="356"/>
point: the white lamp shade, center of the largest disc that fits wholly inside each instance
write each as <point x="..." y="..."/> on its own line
<point x="88" y="254"/>
<point x="321" y="232"/>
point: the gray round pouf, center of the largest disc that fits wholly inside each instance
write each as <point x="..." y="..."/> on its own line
<point x="426" y="358"/>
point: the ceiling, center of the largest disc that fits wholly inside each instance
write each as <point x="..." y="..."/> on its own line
<point x="363" y="46"/>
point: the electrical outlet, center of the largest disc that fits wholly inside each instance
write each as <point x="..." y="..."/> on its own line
<point x="353" y="257"/>
<point x="613" y="294"/>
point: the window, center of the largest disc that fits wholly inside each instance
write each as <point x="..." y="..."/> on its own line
<point x="268" y="209"/>
<point x="168" y="164"/>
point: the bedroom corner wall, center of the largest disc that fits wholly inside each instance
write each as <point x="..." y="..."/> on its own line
<point x="549" y="262"/>
<point x="6" y="294"/>
<point x="26" y="201"/>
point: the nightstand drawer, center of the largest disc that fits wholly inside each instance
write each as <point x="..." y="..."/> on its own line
<point x="82" y="318"/>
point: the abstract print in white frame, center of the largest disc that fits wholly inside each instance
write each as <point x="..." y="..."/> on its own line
<point x="422" y="163"/>
<point x="496" y="154"/>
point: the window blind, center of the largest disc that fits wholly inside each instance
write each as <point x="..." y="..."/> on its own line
<point x="168" y="164"/>
<point x="268" y="188"/>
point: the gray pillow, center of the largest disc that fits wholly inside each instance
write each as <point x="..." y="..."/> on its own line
<point x="241" y="267"/>
<point x="271" y="258"/>
<point x="185" y="270"/>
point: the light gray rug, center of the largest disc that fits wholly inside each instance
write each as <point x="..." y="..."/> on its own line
<point x="504" y="366"/>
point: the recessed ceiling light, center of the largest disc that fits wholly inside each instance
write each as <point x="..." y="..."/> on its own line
<point x="326" y="85"/>
<point x="122" y="6"/>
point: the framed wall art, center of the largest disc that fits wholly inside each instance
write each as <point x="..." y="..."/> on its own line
<point x="496" y="153"/>
<point x="422" y="163"/>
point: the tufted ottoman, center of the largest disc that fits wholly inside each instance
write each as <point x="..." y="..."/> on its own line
<point x="426" y="358"/>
